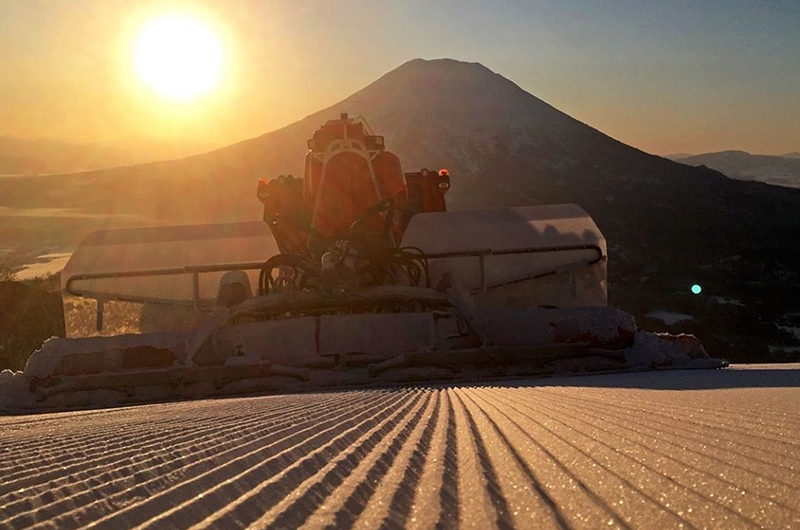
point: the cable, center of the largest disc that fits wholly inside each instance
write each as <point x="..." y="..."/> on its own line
<point x="298" y="264"/>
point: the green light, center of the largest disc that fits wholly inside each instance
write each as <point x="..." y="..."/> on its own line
<point x="696" y="289"/>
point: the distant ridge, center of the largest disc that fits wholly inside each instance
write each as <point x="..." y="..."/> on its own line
<point x="776" y="170"/>
<point x="26" y="156"/>
<point x="677" y="156"/>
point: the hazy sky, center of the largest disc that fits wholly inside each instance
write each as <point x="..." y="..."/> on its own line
<point x="665" y="76"/>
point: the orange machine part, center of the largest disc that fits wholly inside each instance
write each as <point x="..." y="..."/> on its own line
<point x="347" y="191"/>
<point x="285" y="212"/>
<point x="426" y="190"/>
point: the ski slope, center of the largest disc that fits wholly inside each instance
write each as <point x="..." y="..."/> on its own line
<point x="688" y="449"/>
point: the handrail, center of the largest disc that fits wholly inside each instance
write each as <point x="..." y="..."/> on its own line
<point x="521" y="250"/>
<point x="482" y="254"/>
<point x="196" y="270"/>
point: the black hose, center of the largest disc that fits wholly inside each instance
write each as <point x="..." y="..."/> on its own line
<point x="298" y="264"/>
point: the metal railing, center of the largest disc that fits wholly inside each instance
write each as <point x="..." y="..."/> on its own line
<point x="196" y="270"/>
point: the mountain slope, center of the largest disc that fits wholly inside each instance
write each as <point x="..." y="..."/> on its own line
<point x="776" y="170"/>
<point x="501" y="143"/>
<point x="669" y="225"/>
<point x="26" y="156"/>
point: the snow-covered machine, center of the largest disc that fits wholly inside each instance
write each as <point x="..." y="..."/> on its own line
<point x="359" y="276"/>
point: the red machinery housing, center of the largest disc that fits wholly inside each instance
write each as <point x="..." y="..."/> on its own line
<point x="353" y="189"/>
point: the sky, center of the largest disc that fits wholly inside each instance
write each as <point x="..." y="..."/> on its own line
<point x="665" y="76"/>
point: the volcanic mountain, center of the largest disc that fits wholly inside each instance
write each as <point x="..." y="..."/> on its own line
<point x="668" y="224"/>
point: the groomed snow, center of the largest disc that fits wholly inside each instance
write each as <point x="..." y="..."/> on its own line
<point x="691" y="449"/>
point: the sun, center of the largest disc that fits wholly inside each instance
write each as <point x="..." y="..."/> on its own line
<point x="179" y="57"/>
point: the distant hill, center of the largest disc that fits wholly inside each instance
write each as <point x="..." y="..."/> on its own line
<point x="776" y="170"/>
<point x="794" y="154"/>
<point x="677" y="156"/>
<point x="668" y="224"/>
<point x="31" y="156"/>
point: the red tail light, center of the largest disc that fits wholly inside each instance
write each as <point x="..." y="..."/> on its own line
<point x="443" y="182"/>
<point x="263" y="189"/>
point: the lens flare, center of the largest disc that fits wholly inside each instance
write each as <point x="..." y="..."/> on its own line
<point x="696" y="289"/>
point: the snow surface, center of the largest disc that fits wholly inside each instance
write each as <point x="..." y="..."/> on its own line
<point x="668" y="317"/>
<point x="795" y="330"/>
<point x="13" y="390"/>
<point x="691" y="449"/>
<point x="45" y="265"/>
<point x="727" y="301"/>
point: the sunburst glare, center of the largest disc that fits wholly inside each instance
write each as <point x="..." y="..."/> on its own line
<point x="179" y="57"/>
